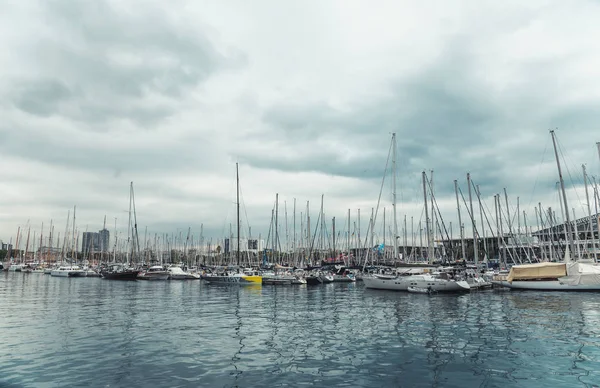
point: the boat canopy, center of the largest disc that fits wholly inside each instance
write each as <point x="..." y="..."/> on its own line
<point x="537" y="271"/>
<point x="581" y="274"/>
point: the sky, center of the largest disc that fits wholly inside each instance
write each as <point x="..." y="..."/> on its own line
<point x="304" y="96"/>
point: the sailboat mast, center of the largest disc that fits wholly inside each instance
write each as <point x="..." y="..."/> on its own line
<point x="27" y="243"/>
<point x="589" y="209"/>
<point x="564" y="197"/>
<point x="485" y="250"/>
<point x="475" y="242"/>
<point x="395" y="239"/>
<point x="237" y="185"/>
<point x="460" y="228"/>
<point x="348" y="238"/>
<point x="127" y="254"/>
<point x="73" y="250"/>
<point x="427" y="230"/>
<point x="41" y="243"/>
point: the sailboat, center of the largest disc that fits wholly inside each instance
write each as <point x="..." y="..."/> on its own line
<point x="119" y="272"/>
<point x="582" y="275"/>
<point x="401" y="282"/>
<point x="233" y="275"/>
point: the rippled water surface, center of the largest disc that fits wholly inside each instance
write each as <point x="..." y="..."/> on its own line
<point x="92" y="332"/>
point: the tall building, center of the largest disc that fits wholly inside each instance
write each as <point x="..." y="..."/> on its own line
<point x="95" y="242"/>
<point x="89" y="242"/>
<point x="104" y="240"/>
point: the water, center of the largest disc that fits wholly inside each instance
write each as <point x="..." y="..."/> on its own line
<point x="91" y="332"/>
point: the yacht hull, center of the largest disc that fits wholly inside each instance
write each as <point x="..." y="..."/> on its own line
<point x="546" y="285"/>
<point x="125" y="275"/>
<point x="233" y="279"/>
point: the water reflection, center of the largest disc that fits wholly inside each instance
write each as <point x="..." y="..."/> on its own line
<point x="195" y="334"/>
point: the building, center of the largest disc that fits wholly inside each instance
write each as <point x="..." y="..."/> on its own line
<point x="104" y="240"/>
<point x="247" y="245"/>
<point x="89" y="242"/>
<point x="95" y="242"/>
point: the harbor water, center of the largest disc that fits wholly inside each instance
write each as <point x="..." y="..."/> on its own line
<point x="92" y="332"/>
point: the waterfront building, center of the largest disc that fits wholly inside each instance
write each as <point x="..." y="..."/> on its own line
<point x="95" y="242"/>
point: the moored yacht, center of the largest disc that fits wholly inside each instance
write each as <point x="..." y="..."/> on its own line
<point x="177" y="273"/>
<point x="16" y="267"/>
<point x="233" y="277"/>
<point x="578" y="276"/>
<point x="119" y="272"/>
<point x="403" y="282"/>
<point x="156" y="272"/>
<point x="68" y="271"/>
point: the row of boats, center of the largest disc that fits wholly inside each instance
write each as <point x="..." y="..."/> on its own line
<point x="570" y="276"/>
<point x="399" y="279"/>
<point x="117" y="271"/>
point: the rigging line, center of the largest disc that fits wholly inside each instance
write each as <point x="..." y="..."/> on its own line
<point x="475" y="226"/>
<point x="537" y="177"/>
<point x="439" y="214"/>
<point x="387" y="162"/>
<point x="569" y="174"/>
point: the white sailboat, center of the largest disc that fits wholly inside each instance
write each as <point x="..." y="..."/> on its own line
<point x="582" y="275"/>
<point x="235" y="275"/>
<point x="567" y="276"/>
<point x="427" y="281"/>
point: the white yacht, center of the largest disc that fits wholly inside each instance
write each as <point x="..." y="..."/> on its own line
<point x="402" y="283"/>
<point x="233" y="277"/>
<point x="578" y="276"/>
<point x="16" y="267"/>
<point x="68" y="271"/>
<point x="177" y="273"/>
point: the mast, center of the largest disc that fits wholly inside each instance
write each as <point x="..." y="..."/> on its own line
<point x="395" y="239"/>
<point x="475" y="242"/>
<point x="41" y="243"/>
<point x="405" y="241"/>
<point x="462" y="238"/>
<point x="127" y="254"/>
<point x="510" y="232"/>
<point x="384" y="230"/>
<point x="333" y="229"/>
<point x="237" y="185"/>
<point x="136" y="242"/>
<point x="348" y="239"/>
<point x="73" y="250"/>
<point x="294" y="248"/>
<point x="564" y="197"/>
<point x="434" y="222"/>
<point x="537" y="220"/>
<point x="427" y="227"/>
<point x="103" y="248"/>
<point x="27" y="243"/>
<point x="276" y="229"/>
<point x="485" y="249"/>
<point x="589" y="209"/>
<point x="115" y="244"/>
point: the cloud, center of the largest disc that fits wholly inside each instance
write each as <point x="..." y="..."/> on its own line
<point x="95" y="62"/>
<point x="94" y="95"/>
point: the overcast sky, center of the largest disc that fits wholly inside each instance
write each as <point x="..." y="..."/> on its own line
<point x="304" y="95"/>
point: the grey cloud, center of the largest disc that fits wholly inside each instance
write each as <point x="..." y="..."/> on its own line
<point x="40" y="97"/>
<point x="444" y="117"/>
<point x="99" y="64"/>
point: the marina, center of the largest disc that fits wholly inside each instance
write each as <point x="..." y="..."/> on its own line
<point x="299" y="194"/>
<point x="195" y="333"/>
